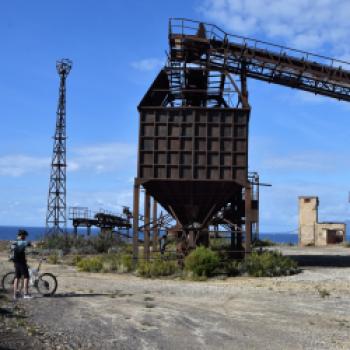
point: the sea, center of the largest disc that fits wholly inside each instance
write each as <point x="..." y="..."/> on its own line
<point x="35" y="233"/>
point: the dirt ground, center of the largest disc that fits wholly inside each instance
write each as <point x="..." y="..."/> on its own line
<point x="310" y="310"/>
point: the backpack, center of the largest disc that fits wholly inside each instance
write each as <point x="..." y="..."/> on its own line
<point x="13" y="251"/>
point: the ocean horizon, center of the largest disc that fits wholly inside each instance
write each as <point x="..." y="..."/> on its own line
<point x="35" y="233"/>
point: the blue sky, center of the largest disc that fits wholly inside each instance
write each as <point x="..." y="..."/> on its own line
<point x="298" y="141"/>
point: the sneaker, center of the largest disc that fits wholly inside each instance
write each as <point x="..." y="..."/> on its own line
<point x="27" y="296"/>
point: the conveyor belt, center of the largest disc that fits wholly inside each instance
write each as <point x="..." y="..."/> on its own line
<point x="207" y="46"/>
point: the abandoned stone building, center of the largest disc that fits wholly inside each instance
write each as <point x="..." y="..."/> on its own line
<point x="312" y="232"/>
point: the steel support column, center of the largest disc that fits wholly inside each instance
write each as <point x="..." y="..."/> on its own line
<point x="191" y="239"/>
<point x="248" y="215"/>
<point x="146" y="249"/>
<point x="135" y="224"/>
<point x="155" y="227"/>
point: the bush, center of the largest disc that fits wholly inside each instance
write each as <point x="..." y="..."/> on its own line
<point x="104" y="263"/>
<point x="233" y="268"/>
<point x="269" y="264"/>
<point x="76" y="260"/>
<point x="53" y="258"/>
<point x="84" y="245"/>
<point x="93" y="264"/>
<point x="202" y="262"/>
<point x="126" y="263"/>
<point x="156" y="268"/>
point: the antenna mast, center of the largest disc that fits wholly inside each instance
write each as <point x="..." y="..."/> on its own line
<point x="56" y="218"/>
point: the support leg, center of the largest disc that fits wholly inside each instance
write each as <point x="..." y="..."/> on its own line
<point x="248" y="222"/>
<point x="135" y="224"/>
<point x="146" y="251"/>
<point x="155" y="227"/>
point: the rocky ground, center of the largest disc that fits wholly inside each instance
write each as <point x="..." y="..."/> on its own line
<point x="310" y="310"/>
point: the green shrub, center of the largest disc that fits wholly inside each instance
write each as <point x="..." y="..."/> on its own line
<point x="219" y="244"/>
<point x="93" y="264"/>
<point x="156" y="268"/>
<point x="104" y="263"/>
<point x="84" y="245"/>
<point x="53" y="259"/>
<point x="232" y="268"/>
<point x="202" y="262"/>
<point x="76" y="259"/>
<point x="269" y="264"/>
<point x="55" y="241"/>
<point x="126" y="263"/>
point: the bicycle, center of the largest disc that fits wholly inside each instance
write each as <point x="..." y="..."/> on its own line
<point x="45" y="283"/>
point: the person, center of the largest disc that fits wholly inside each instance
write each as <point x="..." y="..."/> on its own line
<point x="20" y="262"/>
<point x="163" y="241"/>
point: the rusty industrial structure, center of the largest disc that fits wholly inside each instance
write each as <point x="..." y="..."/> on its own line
<point x="56" y="217"/>
<point x="106" y="221"/>
<point x="311" y="232"/>
<point x="194" y="127"/>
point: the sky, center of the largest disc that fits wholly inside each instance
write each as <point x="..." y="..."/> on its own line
<point x="299" y="142"/>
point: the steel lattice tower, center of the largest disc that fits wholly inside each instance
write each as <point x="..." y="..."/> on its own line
<point x="56" y="219"/>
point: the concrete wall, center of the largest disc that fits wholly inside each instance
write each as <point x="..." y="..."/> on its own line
<point x="308" y="215"/>
<point x="311" y="232"/>
<point x="324" y="228"/>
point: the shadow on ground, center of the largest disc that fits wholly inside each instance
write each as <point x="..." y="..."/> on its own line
<point x="322" y="260"/>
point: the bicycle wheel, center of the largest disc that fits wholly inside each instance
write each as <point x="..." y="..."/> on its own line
<point x="7" y="281"/>
<point x="47" y="284"/>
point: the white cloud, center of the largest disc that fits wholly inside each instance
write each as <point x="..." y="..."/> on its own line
<point x="305" y="24"/>
<point x="307" y="161"/>
<point x="112" y="200"/>
<point x="18" y="165"/>
<point x="98" y="158"/>
<point x="103" y="157"/>
<point x="147" y="64"/>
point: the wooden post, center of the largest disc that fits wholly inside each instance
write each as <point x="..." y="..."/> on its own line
<point x="155" y="227"/>
<point x="146" y="251"/>
<point x="135" y="224"/>
<point x="248" y="222"/>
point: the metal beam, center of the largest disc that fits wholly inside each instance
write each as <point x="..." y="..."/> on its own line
<point x="146" y="248"/>
<point x="135" y="224"/>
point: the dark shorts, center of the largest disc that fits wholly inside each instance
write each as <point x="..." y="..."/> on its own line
<point x="21" y="269"/>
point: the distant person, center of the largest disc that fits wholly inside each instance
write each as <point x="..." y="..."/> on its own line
<point x="18" y="256"/>
<point x="163" y="241"/>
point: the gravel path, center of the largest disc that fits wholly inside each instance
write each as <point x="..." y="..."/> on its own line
<point x="110" y="311"/>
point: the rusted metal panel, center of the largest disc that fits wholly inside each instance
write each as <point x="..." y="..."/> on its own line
<point x="193" y="144"/>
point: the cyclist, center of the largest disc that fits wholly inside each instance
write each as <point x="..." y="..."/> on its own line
<point x="20" y="262"/>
